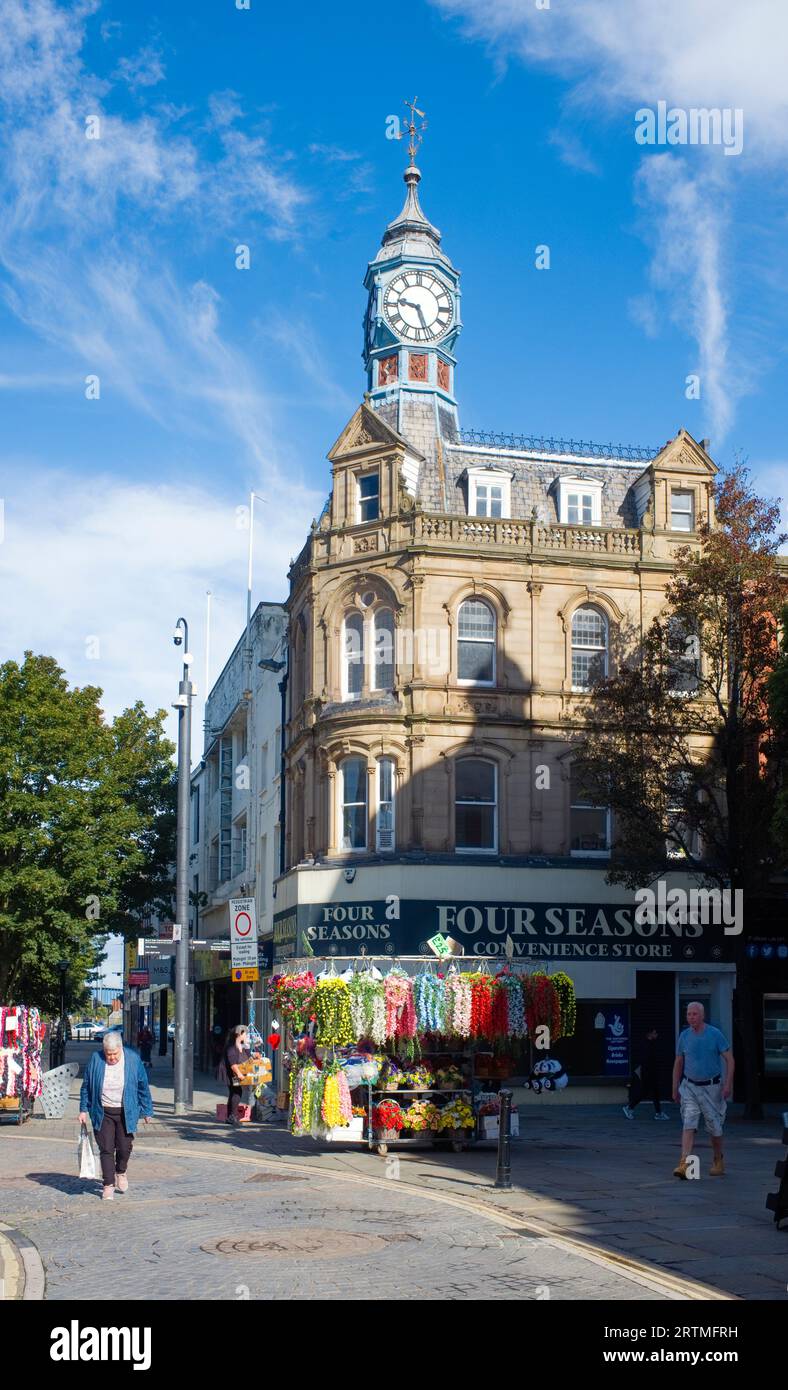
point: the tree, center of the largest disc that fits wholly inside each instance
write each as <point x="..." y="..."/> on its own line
<point x="679" y="741"/>
<point x="83" y="808"/>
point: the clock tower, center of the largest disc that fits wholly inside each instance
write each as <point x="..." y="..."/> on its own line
<point x="413" y="321"/>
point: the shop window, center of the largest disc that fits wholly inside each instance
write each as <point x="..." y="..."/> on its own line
<point x="385" y="816"/>
<point x="383" y="673"/>
<point x="476" y="805"/>
<point x="369" y="496"/>
<point x="354" y="803"/>
<point x="476" y="643"/>
<point x="775" y="1034"/>
<point x="589" y="829"/>
<point x="353" y="656"/>
<point x="682" y="510"/>
<point x="589" y="647"/>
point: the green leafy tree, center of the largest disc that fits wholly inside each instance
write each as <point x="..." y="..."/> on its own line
<point x="679" y="741"/>
<point x="84" y="809"/>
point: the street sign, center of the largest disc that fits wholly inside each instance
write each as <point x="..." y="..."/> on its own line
<point x="243" y="934"/>
<point x="245" y="973"/>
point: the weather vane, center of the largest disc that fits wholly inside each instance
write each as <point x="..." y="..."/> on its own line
<point x="414" y="131"/>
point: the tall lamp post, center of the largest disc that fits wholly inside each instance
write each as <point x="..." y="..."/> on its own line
<point x="62" y="967"/>
<point x="184" y="1029"/>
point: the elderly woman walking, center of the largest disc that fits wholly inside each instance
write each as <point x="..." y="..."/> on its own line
<point x="114" y="1095"/>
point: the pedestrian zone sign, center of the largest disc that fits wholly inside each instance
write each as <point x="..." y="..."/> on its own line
<point x="243" y="935"/>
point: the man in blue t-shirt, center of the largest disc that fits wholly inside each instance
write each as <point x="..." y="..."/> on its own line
<point x="702" y="1083"/>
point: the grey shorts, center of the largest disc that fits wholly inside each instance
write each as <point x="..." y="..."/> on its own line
<point x="702" y="1100"/>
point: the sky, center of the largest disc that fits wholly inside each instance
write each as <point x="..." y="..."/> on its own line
<point x="147" y="384"/>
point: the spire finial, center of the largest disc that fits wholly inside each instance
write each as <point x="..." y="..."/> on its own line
<point x="414" y="131"/>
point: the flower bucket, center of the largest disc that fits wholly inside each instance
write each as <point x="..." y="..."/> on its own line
<point x="386" y="1136"/>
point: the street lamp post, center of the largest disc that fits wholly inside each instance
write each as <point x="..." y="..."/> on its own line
<point x="184" y="1039"/>
<point x="62" y="967"/>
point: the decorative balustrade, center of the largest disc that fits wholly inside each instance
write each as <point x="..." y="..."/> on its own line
<point x="530" y="535"/>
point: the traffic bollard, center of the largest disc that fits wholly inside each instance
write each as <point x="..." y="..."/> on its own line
<point x="503" y="1172"/>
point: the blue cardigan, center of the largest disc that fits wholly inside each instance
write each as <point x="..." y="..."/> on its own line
<point x="137" y="1098"/>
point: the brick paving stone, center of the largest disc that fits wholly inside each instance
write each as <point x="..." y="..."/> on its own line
<point x="149" y="1243"/>
<point x="583" y="1171"/>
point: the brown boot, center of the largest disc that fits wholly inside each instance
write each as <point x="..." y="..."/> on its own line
<point x="681" y="1170"/>
<point x="717" y="1169"/>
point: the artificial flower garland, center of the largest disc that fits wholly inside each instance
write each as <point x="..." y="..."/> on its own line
<point x="508" y="1008"/>
<point x="332" y="1009"/>
<point x="429" y="997"/>
<point x="481" y="1006"/>
<point x="294" y="997"/>
<point x="336" y="1107"/>
<point x="400" y="1010"/>
<point x="567" y="1002"/>
<point x="368" y="1007"/>
<point x="458" y="1006"/>
<point x="542" y="1004"/>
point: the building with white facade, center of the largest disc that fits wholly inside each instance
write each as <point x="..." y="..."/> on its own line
<point x="235" y="817"/>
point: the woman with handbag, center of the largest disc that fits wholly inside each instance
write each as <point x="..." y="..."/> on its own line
<point x="115" y="1094"/>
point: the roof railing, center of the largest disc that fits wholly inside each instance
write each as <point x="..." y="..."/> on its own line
<point x="580" y="448"/>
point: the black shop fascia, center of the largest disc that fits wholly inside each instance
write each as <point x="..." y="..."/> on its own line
<point x="528" y="932"/>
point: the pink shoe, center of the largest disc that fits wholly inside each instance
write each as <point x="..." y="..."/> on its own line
<point x="121" y="1182"/>
<point x="107" y="1194"/>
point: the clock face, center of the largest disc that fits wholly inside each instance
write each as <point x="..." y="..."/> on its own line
<point x="418" y="306"/>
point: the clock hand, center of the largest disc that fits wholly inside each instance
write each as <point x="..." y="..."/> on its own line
<point x="410" y="305"/>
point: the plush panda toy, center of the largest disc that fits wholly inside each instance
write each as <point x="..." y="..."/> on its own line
<point x="548" y="1075"/>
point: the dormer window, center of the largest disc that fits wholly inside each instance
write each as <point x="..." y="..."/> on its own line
<point x="579" y="502"/>
<point x="489" y="492"/>
<point x="369" y="496"/>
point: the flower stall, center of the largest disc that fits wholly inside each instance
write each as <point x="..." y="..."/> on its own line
<point x="410" y="1054"/>
<point x="21" y="1041"/>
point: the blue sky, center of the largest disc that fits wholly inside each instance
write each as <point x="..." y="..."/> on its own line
<point x="267" y="127"/>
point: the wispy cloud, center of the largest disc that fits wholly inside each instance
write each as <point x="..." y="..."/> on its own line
<point x="114" y="563"/>
<point x="79" y="261"/>
<point x="145" y="69"/>
<point x="625" y="54"/>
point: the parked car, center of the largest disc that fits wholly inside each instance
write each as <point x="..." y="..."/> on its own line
<point x="99" y="1033"/>
<point x="85" y="1029"/>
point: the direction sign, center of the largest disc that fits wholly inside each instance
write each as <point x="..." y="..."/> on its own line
<point x="243" y="934"/>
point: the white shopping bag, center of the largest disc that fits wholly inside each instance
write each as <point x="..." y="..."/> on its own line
<point x="87" y="1161"/>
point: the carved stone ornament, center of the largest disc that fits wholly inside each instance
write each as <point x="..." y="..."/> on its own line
<point x="363" y="544"/>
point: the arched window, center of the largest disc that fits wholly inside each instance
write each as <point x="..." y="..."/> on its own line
<point x="383" y="671"/>
<point x="475" y="805"/>
<point x="354" y="803"/>
<point x="385" y="808"/>
<point x="353" y="656"/>
<point x="589" y="647"/>
<point x="476" y="643"/>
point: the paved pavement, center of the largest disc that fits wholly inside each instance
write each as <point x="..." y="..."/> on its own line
<point x="594" y="1213"/>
